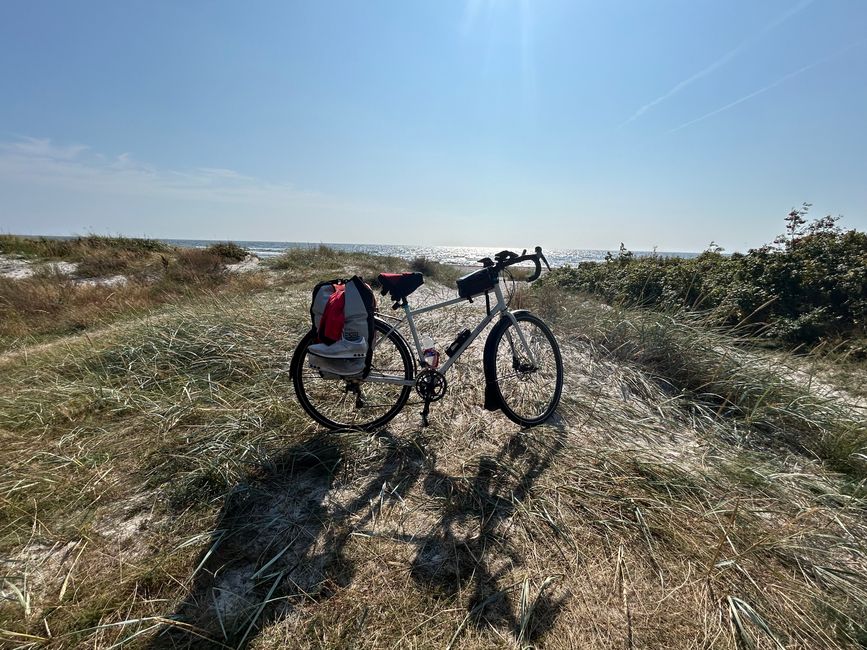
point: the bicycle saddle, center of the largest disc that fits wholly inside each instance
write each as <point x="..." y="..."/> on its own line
<point x="400" y="285"/>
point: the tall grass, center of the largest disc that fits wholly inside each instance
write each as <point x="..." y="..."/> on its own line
<point x="77" y="248"/>
<point x="160" y="487"/>
<point x="51" y="303"/>
<point x="711" y="369"/>
<point x="443" y="273"/>
<point x="322" y="263"/>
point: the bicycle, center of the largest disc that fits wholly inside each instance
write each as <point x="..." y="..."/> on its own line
<point x="522" y="363"/>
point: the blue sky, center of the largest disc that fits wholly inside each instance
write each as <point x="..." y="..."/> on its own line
<point x="471" y="122"/>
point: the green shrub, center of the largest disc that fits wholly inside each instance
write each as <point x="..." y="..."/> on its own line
<point x="423" y="265"/>
<point x="228" y="251"/>
<point x="78" y="248"/>
<point x="432" y="269"/>
<point x="809" y="286"/>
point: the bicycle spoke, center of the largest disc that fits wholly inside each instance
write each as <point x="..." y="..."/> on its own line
<point x="337" y="402"/>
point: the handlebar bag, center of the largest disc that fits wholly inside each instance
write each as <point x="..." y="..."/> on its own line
<point x="476" y="283"/>
<point x="342" y="309"/>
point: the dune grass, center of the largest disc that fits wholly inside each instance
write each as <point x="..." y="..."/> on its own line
<point x="430" y="268"/>
<point x="321" y="263"/>
<point x="317" y="262"/>
<point x="161" y="488"/>
<point x="51" y="303"/>
<point x="725" y="378"/>
<point x="76" y="249"/>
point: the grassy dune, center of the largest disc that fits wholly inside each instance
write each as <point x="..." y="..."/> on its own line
<point x="160" y="487"/>
<point x="51" y="303"/>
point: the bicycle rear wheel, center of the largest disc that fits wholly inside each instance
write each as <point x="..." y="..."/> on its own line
<point x="528" y="391"/>
<point x="355" y="403"/>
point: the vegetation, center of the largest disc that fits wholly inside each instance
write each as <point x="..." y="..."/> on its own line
<point x="161" y="488"/>
<point x="724" y="379"/>
<point x="51" y="303"/>
<point x="228" y="252"/>
<point x="324" y="263"/>
<point x="77" y="249"/>
<point x="432" y="269"/>
<point x="809" y="287"/>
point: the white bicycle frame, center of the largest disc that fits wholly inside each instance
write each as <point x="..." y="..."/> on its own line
<point x="499" y="308"/>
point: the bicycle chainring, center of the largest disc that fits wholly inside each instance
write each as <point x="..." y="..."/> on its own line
<point x="431" y="385"/>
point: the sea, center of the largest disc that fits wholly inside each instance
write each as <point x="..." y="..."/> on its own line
<point x="457" y="255"/>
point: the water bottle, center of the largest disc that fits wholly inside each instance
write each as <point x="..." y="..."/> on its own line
<point x="430" y="354"/>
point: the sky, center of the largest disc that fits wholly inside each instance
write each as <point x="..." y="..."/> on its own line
<point x="563" y="123"/>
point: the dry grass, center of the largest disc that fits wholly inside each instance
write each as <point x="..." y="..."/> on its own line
<point x="161" y="488"/>
<point x="51" y="303"/>
<point x="845" y="363"/>
<point x="726" y="379"/>
<point x="323" y="263"/>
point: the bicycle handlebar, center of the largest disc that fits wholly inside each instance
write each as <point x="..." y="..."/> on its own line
<point x="509" y="258"/>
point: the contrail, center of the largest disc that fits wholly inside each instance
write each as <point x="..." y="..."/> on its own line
<point x="725" y="58"/>
<point x="773" y="84"/>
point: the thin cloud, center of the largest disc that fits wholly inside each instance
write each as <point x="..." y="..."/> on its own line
<point x="42" y="148"/>
<point x="77" y="171"/>
<point x="723" y="60"/>
<point x="39" y="161"/>
<point x="764" y="89"/>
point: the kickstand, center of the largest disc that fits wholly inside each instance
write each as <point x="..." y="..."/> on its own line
<point x="424" y="412"/>
<point x="359" y="398"/>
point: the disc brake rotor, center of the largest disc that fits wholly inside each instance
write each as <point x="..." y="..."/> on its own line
<point x="523" y="368"/>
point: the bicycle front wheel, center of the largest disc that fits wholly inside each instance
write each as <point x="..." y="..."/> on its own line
<point x="355" y="403"/>
<point x="528" y="385"/>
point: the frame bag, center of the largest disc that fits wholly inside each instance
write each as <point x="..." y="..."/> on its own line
<point x="342" y="316"/>
<point x="476" y="283"/>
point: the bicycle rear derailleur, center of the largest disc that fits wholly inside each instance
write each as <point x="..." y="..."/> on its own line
<point x="431" y="386"/>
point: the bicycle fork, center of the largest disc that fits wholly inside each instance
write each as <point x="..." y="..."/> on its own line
<point x="526" y="346"/>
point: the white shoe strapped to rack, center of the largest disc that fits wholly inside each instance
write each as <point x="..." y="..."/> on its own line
<point x="342" y="349"/>
<point x="340" y="359"/>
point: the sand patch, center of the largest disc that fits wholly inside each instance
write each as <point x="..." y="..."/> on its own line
<point x="20" y="268"/>
<point x="37" y="569"/>
<point x="248" y="264"/>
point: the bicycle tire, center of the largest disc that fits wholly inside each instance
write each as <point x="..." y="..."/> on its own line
<point x="331" y="403"/>
<point x="528" y="394"/>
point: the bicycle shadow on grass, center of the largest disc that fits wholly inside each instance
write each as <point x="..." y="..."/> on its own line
<point x="280" y="536"/>
<point x="471" y="549"/>
<point x="279" y="541"/>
